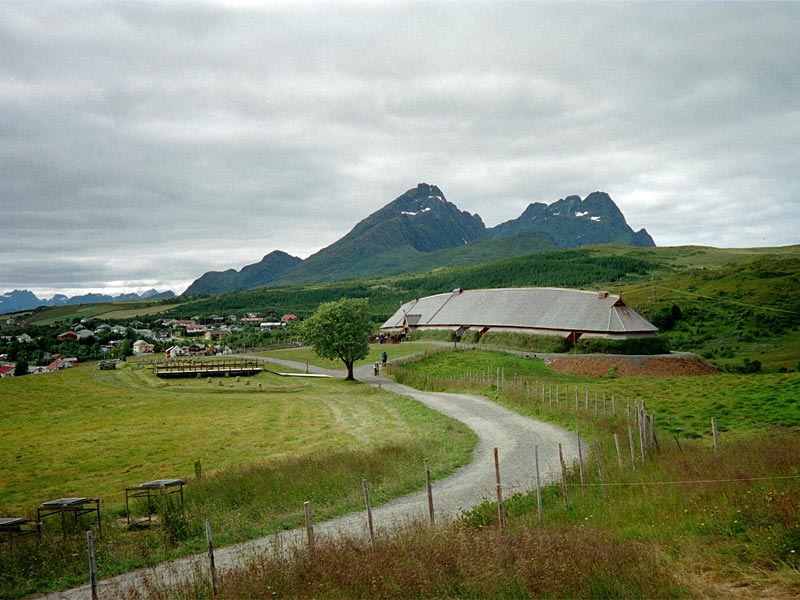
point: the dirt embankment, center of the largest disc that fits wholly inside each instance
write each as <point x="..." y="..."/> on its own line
<point x="664" y="365"/>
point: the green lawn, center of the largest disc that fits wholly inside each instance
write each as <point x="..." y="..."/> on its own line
<point x="307" y="354"/>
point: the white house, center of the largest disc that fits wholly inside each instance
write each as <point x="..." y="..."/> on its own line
<point x="142" y="347"/>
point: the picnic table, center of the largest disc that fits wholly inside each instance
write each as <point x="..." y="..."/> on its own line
<point x="148" y="489"/>
<point x="18" y="526"/>
<point x="76" y="506"/>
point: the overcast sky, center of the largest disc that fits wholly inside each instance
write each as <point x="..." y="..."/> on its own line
<point x="143" y="144"/>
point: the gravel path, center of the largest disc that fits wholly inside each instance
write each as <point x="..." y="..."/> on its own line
<point x="513" y="435"/>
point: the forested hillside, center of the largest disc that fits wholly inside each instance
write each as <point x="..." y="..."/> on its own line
<point x="739" y="308"/>
<point x="571" y="268"/>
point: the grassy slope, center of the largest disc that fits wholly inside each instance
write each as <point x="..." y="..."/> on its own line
<point x="735" y="531"/>
<point x="263" y="451"/>
<point x="682" y="406"/>
<point x="102" y="310"/>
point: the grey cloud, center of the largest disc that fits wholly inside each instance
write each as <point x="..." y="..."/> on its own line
<point x="219" y="133"/>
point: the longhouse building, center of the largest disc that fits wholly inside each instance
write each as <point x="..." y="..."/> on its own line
<point x="572" y="314"/>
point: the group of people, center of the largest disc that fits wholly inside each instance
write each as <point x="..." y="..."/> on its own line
<point x="377" y="366"/>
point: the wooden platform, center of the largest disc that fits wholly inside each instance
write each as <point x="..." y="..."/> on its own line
<point x="215" y="368"/>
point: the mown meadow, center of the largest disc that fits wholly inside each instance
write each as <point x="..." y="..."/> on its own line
<point x="252" y="451"/>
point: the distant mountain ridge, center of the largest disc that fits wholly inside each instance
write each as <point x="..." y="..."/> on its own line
<point x="271" y="267"/>
<point x="422" y="229"/>
<point x="18" y="300"/>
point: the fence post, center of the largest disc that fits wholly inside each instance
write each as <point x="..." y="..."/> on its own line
<point x="309" y="523"/>
<point x="92" y="563"/>
<point x="430" y="490"/>
<point x="642" y="438"/>
<point x="563" y="476"/>
<point x="715" y="432"/>
<point x="500" y="513"/>
<point x="619" y="454"/>
<point x="653" y="438"/>
<point x="538" y="483"/>
<point x="210" y="545"/>
<point x="580" y="459"/>
<point x="599" y="464"/>
<point x="369" y="513"/>
<point x="630" y="443"/>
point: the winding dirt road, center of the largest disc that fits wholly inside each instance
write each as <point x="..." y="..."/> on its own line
<point x="514" y="435"/>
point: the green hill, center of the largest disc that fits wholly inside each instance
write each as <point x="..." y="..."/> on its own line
<point x="737" y="307"/>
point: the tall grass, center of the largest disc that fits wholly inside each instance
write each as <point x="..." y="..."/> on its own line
<point x="454" y="562"/>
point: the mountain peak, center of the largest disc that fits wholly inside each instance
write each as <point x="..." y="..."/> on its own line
<point x="572" y="222"/>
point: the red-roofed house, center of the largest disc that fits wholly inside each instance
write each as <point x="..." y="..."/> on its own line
<point x="6" y="371"/>
<point x="62" y="363"/>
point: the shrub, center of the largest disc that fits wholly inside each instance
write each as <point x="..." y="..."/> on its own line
<point x="645" y="345"/>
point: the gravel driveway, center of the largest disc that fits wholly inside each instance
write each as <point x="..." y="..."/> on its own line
<point x="514" y="435"/>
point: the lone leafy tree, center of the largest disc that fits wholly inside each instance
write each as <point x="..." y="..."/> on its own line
<point x="340" y="330"/>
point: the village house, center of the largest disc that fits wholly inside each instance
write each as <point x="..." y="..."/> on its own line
<point x="196" y="349"/>
<point x="217" y="333"/>
<point x="80" y="334"/>
<point x="60" y="364"/>
<point x="175" y="351"/>
<point x="6" y="371"/>
<point x="182" y="323"/>
<point x="195" y="329"/>
<point x="251" y="320"/>
<point x="143" y="347"/>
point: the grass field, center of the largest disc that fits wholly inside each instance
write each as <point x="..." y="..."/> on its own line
<point x="261" y="451"/>
<point x="683" y="406"/>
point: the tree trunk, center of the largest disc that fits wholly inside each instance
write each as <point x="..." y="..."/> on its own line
<point x="349" y="365"/>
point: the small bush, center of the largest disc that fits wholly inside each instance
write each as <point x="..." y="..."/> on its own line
<point x="174" y="520"/>
<point x="525" y="342"/>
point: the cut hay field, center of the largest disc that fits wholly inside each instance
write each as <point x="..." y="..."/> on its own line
<point x="262" y="451"/>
